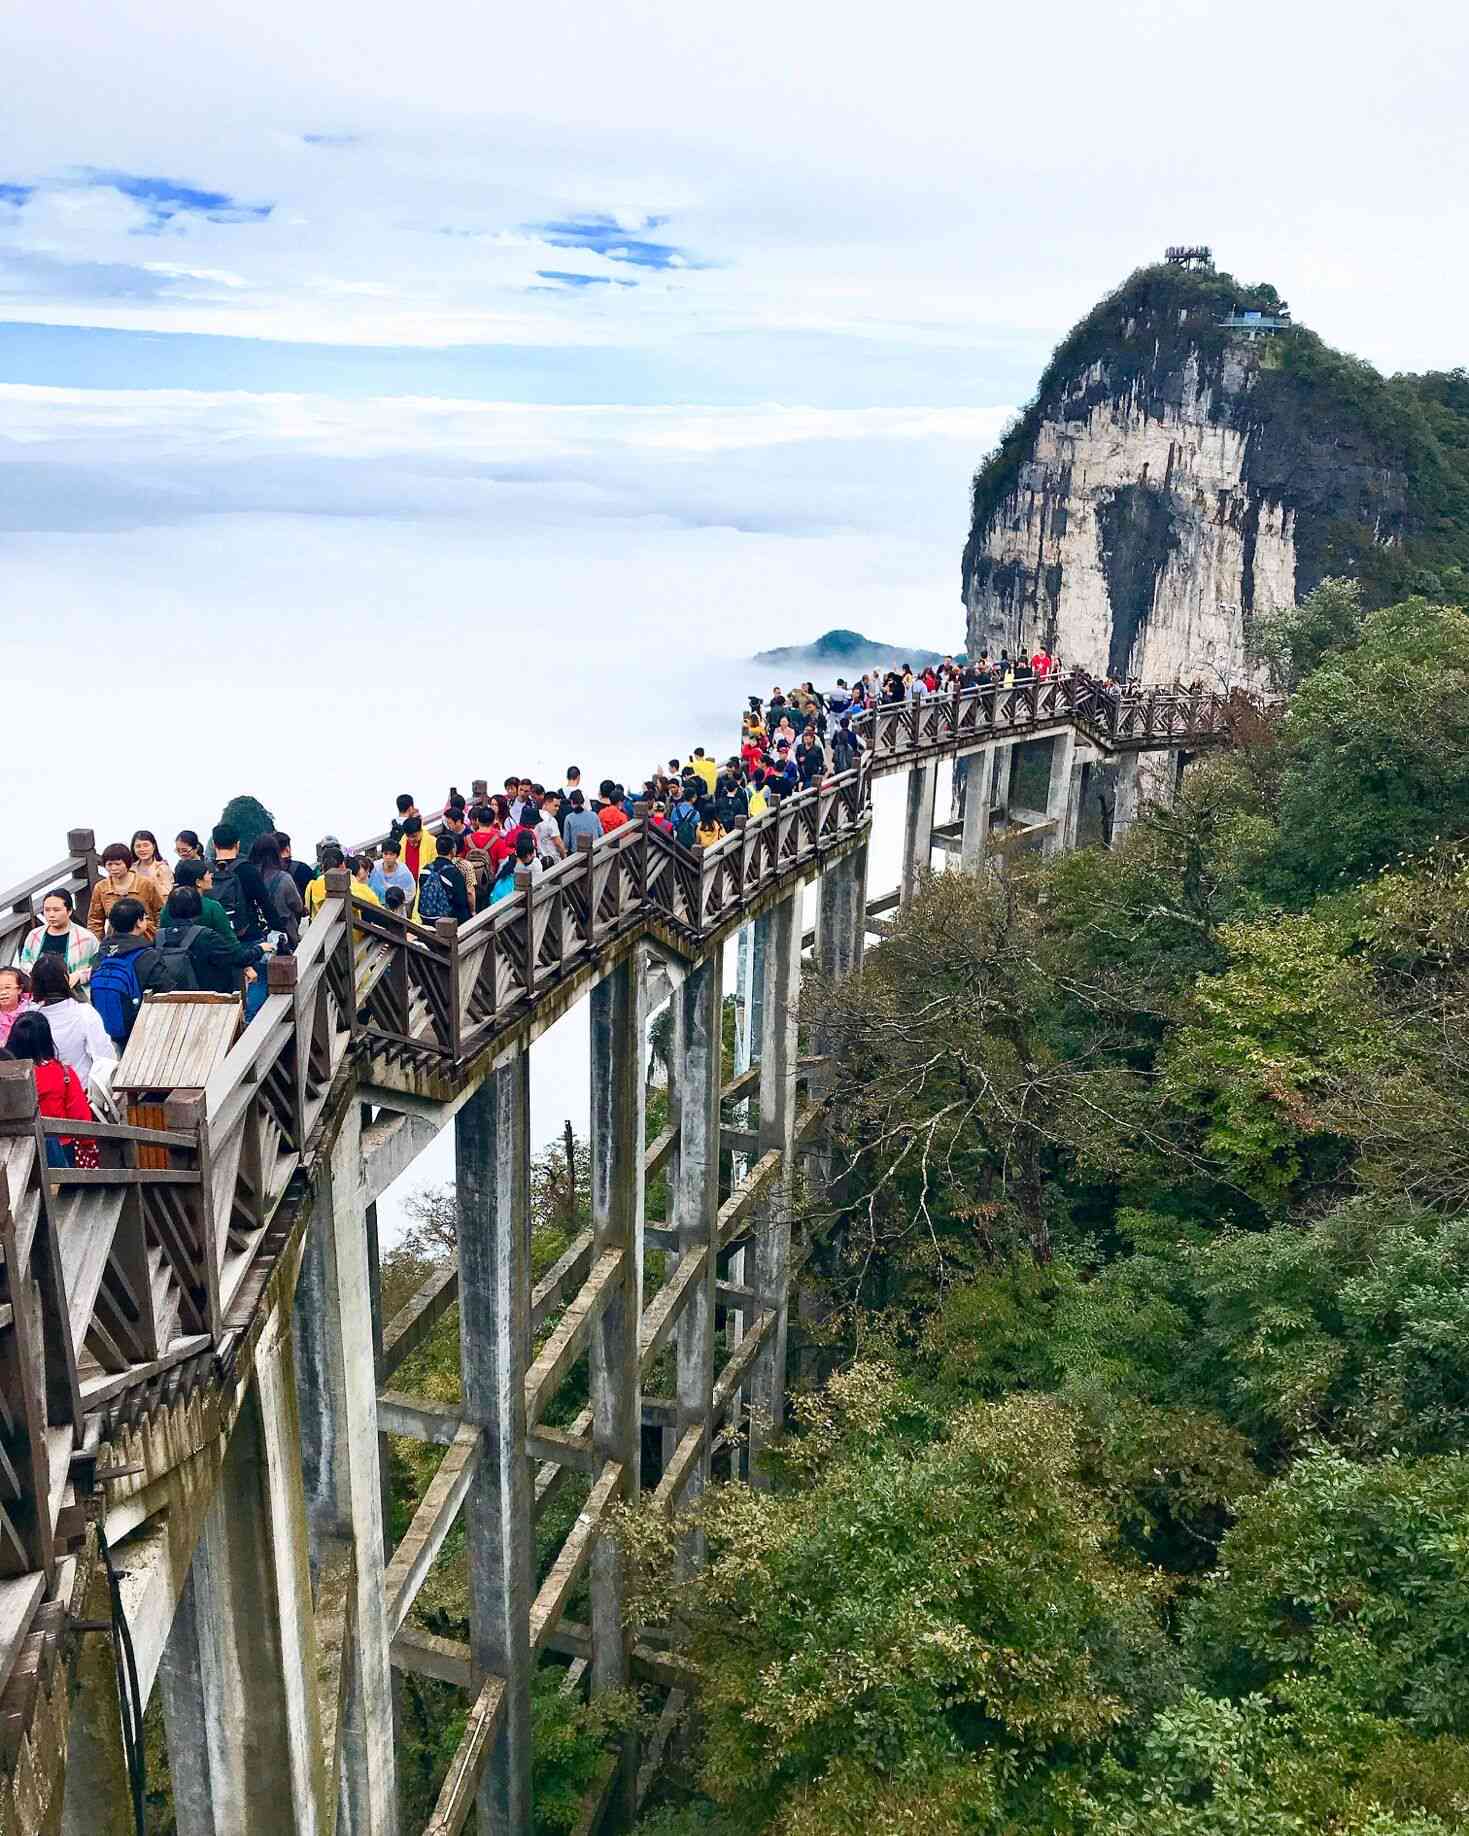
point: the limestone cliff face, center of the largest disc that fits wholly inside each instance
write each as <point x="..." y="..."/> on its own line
<point x="1170" y="481"/>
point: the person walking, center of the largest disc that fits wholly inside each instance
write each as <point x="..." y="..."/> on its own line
<point x="60" y="935"/>
<point x="119" y="881"/>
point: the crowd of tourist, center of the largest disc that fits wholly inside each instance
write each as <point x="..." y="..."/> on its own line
<point x="212" y="919"/>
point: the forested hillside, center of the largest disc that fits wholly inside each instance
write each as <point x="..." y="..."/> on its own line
<point x="1126" y="1489"/>
<point x="1135" y="1498"/>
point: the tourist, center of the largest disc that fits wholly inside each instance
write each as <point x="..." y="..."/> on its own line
<point x="580" y="823"/>
<point x="710" y="829"/>
<point x="198" y="875"/>
<point x="332" y="858"/>
<point x="120" y="882"/>
<point x="406" y="808"/>
<point x="286" y="908"/>
<point x="15" y="997"/>
<point x="239" y="888"/>
<point x="60" y="935"/>
<point x="418" y="847"/>
<point x="846" y="748"/>
<point x="60" y="1089"/>
<point x="149" y="864"/>
<point x="704" y="769"/>
<point x="80" y="1032"/>
<point x="525" y="856"/>
<point x="300" y="871"/>
<point x="128" y="967"/>
<point x="360" y="867"/>
<point x="683" y="813"/>
<point x="549" y="843"/>
<point x="188" y="847"/>
<point x="611" y="815"/>
<point x="390" y="871"/>
<point x="443" y="890"/>
<point x="395" y="900"/>
<point x="215" y="962"/>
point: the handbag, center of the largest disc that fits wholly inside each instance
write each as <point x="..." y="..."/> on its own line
<point x="84" y="1147"/>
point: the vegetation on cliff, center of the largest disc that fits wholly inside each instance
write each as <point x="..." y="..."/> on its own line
<point x="1376" y="468"/>
<point x="1134" y="1498"/>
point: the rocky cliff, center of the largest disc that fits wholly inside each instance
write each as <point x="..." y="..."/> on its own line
<point x="1173" y="478"/>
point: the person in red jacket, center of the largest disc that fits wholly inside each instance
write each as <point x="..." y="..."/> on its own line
<point x="59" y="1091"/>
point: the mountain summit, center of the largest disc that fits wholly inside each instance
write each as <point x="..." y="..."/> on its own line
<point x="1191" y="458"/>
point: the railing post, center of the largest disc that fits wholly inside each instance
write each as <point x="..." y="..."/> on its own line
<point x="185" y="1110"/>
<point x="447" y="932"/>
<point x="82" y="845"/>
<point x="339" y="888"/>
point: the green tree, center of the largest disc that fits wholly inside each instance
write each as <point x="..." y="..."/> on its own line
<point x="1296" y="640"/>
<point x="248" y="817"/>
<point x="1377" y="743"/>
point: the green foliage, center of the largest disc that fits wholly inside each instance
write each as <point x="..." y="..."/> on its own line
<point x="1355" y="1575"/>
<point x="248" y="817"/>
<point x="1294" y="641"/>
<point x="1377" y="750"/>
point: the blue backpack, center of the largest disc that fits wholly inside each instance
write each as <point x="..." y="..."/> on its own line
<point x="116" y="992"/>
<point x="435" y="900"/>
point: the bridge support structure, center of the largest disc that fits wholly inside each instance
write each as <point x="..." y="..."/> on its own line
<point x="213" y="1339"/>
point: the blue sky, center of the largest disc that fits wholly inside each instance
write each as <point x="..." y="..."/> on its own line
<point x="647" y="201"/>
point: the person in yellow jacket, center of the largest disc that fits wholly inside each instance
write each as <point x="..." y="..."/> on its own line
<point x="332" y="856"/>
<point x="705" y="769"/>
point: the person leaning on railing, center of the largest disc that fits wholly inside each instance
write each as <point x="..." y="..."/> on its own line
<point x="60" y="935"/>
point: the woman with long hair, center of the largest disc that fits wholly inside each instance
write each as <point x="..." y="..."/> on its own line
<point x="76" y="1028"/>
<point x="60" y="1092"/>
<point x="149" y="864"/>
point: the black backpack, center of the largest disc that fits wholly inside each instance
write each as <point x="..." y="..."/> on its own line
<point x="241" y="908"/>
<point x="173" y="947"/>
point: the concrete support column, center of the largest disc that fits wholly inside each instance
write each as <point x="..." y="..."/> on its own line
<point x="1058" y="794"/>
<point x="778" y="1058"/>
<point x="492" y="1181"/>
<point x="336" y="1358"/>
<point x="96" y="1796"/>
<point x="1004" y="773"/>
<point x="239" y="1671"/>
<point x="918" y="829"/>
<point x="697" y="1016"/>
<point x="841" y="923"/>
<point x="978" y="778"/>
<point x="1125" y="802"/>
<point x="619" y="1041"/>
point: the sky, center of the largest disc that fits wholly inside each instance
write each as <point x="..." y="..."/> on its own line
<point x="389" y="397"/>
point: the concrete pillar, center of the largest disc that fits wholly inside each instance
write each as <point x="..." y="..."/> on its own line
<point x="239" y="1670"/>
<point x="618" y="1049"/>
<point x="336" y="1340"/>
<point x="697" y="1005"/>
<point x="748" y="1047"/>
<point x="96" y="1796"/>
<point x="841" y="922"/>
<point x="1058" y="794"/>
<point x="1076" y="800"/>
<point x="1125" y="803"/>
<point x="1004" y="774"/>
<point x="771" y="1254"/>
<point x="918" y="829"/>
<point x="978" y="778"/>
<point x="492" y="1182"/>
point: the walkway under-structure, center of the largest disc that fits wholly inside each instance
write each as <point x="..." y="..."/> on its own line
<point x="195" y="1373"/>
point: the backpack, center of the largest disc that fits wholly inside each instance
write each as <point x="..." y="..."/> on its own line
<point x="238" y="905"/>
<point x="116" y="992"/>
<point x="173" y="952"/>
<point x="686" y="828"/>
<point x="435" y="897"/>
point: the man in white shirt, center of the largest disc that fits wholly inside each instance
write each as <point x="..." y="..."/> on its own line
<point x="549" y="844"/>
